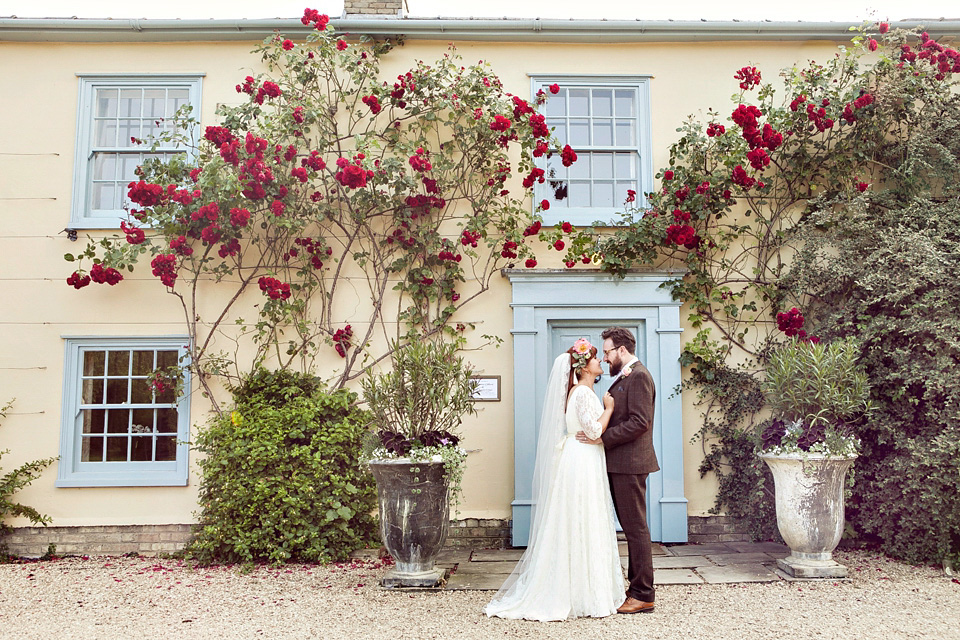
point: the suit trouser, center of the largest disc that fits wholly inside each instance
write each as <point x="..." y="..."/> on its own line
<point x="630" y="500"/>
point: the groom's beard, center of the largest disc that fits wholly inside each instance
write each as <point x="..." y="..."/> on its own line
<point x="614" y="369"/>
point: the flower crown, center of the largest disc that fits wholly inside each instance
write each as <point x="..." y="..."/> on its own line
<point x="581" y="353"/>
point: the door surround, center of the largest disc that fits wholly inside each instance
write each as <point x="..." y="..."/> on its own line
<point x="543" y="297"/>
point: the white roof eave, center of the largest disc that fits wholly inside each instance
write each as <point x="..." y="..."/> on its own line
<point x="449" y="29"/>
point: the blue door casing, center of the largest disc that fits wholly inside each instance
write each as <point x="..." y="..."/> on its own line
<point x="551" y="309"/>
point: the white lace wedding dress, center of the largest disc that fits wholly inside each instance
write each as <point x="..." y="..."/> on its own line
<point x="572" y="566"/>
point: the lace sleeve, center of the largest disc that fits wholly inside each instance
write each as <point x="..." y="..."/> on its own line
<point x="588" y="409"/>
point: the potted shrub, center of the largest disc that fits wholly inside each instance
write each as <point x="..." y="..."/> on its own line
<point x="817" y="392"/>
<point x="414" y="455"/>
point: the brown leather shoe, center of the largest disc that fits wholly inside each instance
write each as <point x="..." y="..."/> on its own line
<point x="632" y="605"/>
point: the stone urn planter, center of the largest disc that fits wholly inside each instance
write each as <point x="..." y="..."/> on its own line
<point x="810" y="510"/>
<point x="414" y="517"/>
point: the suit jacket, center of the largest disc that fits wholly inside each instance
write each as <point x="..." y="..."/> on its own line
<point x="628" y="440"/>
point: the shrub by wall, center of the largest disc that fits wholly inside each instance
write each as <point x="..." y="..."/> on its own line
<point x="281" y="477"/>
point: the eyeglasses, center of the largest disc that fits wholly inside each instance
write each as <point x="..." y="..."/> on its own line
<point x="607" y="351"/>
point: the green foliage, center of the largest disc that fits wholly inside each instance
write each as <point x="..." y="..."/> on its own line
<point x="886" y="273"/>
<point x="281" y="480"/>
<point x="13" y="481"/>
<point x="854" y="220"/>
<point x="428" y="389"/>
<point x="809" y="382"/>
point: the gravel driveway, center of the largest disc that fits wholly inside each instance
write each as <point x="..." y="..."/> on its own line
<point x="113" y="598"/>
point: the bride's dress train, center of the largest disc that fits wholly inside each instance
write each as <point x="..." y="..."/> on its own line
<point x="572" y="566"/>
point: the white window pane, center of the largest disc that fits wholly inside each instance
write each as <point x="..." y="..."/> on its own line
<point x="580" y="170"/>
<point x="602" y="166"/>
<point x="556" y="104"/>
<point x="130" y="102"/>
<point x="602" y="102"/>
<point x="103" y="195"/>
<point x="625" y="133"/>
<point x="626" y="165"/>
<point x="176" y="98"/>
<point x="579" y="133"/>
<point x="626" y="100"/>
<point x="579" y="102"/>
<point x="107" y="103"/>
<point x="154" y="103"/>
<point x="104" y="166"/>
<point x="559" y="127"/>
<point x="105" y="133"/>
<point x="128" y="165"/>
<point x="603" y="194"/>
<point x="555" y="168"/>
<point x="603" y="133"/>
<point x="127" y="129"/>
<point x="579" y="194"/>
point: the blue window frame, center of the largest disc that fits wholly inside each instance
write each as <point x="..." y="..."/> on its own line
<point x="117" y="430"/>
<point x="606" y="120"/>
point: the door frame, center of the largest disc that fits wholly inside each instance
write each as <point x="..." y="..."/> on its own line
<point x="542" y="298"/>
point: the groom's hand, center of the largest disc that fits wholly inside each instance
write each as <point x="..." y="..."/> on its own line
<point x="582" y="437"/>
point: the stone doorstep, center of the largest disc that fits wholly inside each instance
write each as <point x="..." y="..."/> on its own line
<point x="491" y="568"/>
<point x="475" y="581"/>
<point x="675" y="576"/>
<point x="713" y="548"/>
<point x="774" y="549"/>
<point x="737" y="573"/>
<point x="725" y="559"/>
<point x="679" y="562"/>
<point x="496" y="555"/>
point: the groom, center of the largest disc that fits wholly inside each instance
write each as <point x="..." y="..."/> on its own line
<point x="628" y="442"/>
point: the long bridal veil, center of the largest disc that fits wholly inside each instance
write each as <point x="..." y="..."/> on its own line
<point x="549" y="445"/>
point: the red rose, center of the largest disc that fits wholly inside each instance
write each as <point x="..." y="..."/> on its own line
<point x="77" y="281"/>
<point x="883" y="27"/>
<point x="872" y="45"/>
<point x="668" y="175"/>
<point x="500" y="123"/>
<point x="544" y="204"/>
<point x="341" y="45"/>
<point x="567" y="156"/>
<point x="530" y="263"/>
<point x="558" y="245"/>
<point x="373" y="103"/>
<point x="554" y="89"/>
<point x="566" y="227"/>
<point x="631" y="195"/>
<point x="287" y="45"/>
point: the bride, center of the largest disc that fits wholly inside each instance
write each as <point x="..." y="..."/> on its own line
<point x="571" y="567"/>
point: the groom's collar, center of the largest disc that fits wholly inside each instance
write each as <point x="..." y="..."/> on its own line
<point x="625" y="366"/>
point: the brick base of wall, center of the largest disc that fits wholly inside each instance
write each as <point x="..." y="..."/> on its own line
<point x="168" y="538"/>
<point x="146" y="539"/>
<point x="704" y="529"/>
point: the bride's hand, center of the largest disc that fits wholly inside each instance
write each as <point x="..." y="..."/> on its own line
<point x="607" y="401"/>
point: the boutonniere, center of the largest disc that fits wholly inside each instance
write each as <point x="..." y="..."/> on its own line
<point x="626" y="371"/>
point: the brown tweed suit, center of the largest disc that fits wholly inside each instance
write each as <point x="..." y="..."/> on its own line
<point x="628" y="443"/>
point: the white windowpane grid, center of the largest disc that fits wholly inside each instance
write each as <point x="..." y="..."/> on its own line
<point x="596" y="179"/>
<point x="121" y="114"/>
<point x="594" y="117"/>
<point x="602" y="125"/>
<point x="122" y="418"/>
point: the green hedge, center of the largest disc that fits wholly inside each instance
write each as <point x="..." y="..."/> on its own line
<point x="281" y="477"/>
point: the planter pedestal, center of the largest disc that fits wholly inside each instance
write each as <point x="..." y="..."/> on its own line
<point x="414" y="517"/>
<point x="810" y="511"/>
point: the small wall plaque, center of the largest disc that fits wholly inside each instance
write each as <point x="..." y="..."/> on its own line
<point x="487" y="388"/>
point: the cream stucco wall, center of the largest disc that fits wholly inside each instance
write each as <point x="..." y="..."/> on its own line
<point x="38" y="309"/>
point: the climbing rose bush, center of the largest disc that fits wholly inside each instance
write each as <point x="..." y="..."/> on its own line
<point x="330" y="182"/>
